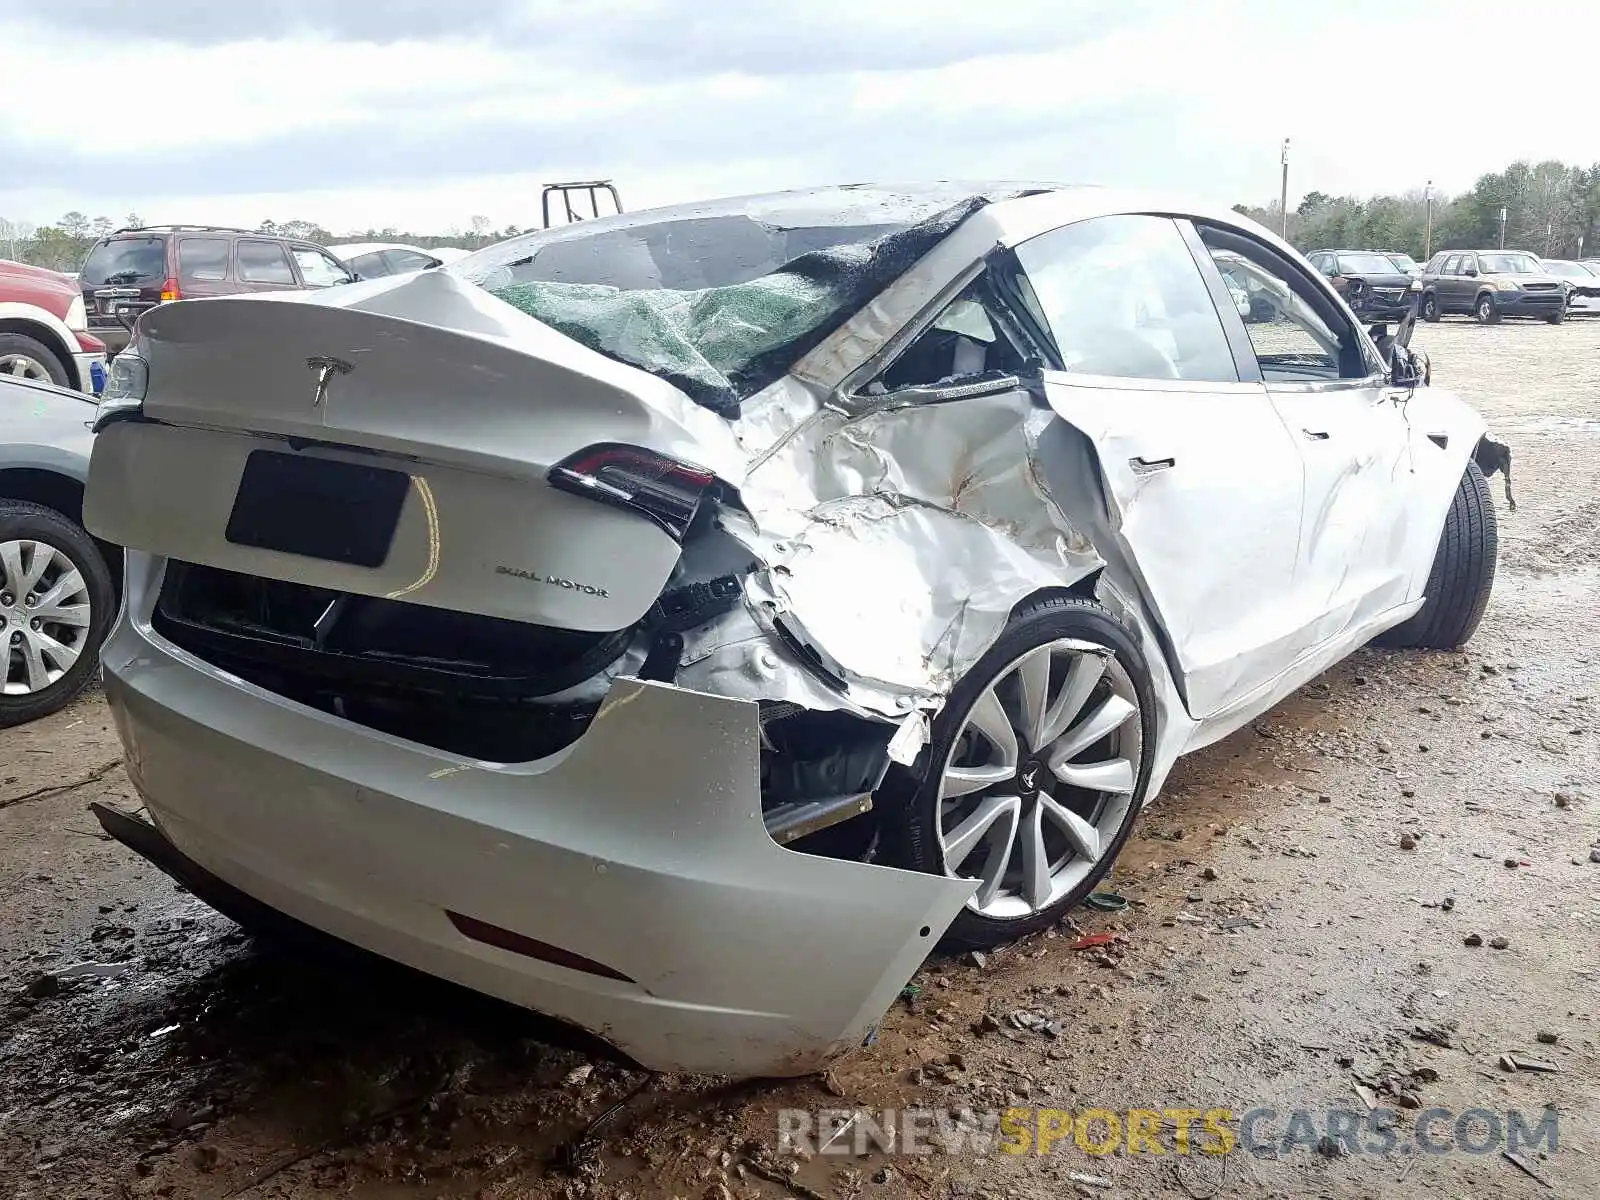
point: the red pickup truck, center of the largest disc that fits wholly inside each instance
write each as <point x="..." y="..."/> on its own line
<point x="43" y="331"/>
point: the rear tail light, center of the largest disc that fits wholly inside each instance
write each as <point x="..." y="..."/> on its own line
<point x="663" y="489"/>
<point x="169" y="290"/>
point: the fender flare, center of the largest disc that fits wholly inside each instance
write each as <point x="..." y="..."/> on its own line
<point x="44" y="326"/>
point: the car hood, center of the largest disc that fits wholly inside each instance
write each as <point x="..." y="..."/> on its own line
<point x="1395" y="279"/>
<point x="1523" y="277"/>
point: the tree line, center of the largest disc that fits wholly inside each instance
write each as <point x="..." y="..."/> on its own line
<point x="1552" y="209"/>
<point x="64" y="245"/>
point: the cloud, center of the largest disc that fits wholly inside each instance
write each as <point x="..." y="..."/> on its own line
<point x="413" y="112"/>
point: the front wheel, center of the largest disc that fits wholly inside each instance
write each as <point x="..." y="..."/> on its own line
<point x="23" y="357"/>
<point x="56" y="601"/>
<point x="1036" y="769"/>
<point x="1486" y="311"/>
<point x="1430" y="307"/>
<point x="1558" y="317"/>
<point x="1462" y="575"/>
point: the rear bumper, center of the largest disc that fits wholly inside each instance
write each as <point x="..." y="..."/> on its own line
<point x="641" y="848"/>
<point x="114" y="335"/>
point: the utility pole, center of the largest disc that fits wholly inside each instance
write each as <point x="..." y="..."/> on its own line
<point x="1427" y="235"/>
<point x="1283" y="195"/>
<point x="1502" y="227"/>
<point x="1548" y="226"/>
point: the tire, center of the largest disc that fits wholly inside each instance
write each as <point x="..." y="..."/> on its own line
<point x="35" y="358"/>
<point x="1430" y="307"/>
<point x="1557" y="318"/>
<point x="1081" y="686"/>
<point x="23" y="529"/>
<point x="1485" y="311"/>
<point x="1462" y="575"/>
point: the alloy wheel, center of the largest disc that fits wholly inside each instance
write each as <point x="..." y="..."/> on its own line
<point x="45" y="616"/>
<point x="1041" y="777"/>
<point x="22" y="366"/>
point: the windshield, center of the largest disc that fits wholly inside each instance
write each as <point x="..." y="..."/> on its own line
<point x="1365" y="264"/>
<point x="1405" y="262"/>
<point x="1508" y="264"/>
<point x="721" y="298"/>
<point x="1567" y="270"/>
<point x="126" y="260"/>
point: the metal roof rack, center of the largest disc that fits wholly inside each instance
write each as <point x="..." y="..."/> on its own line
<point x="182" y="229"/>
<point x="590" y="187"/>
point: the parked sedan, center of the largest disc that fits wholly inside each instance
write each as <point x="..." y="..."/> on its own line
<point x="1583" y="286"/>
<point x="373" y="260"/>
<point x="56" y="590"/>
<point x="681" y="621"/>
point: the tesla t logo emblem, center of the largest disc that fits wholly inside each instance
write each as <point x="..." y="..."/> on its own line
<point x="326" y="368"/>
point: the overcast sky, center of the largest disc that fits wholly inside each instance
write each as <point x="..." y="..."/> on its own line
<point x="421" y="114"/>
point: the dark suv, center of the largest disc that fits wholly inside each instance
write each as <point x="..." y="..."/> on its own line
<point x="1491" y="284"/>
<point x="1370" y="282"/>
<point x="133" y="270"/>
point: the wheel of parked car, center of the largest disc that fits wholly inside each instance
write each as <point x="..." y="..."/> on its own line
<point x="27" y="358"/>
<point x="1430" y="307"/>
<point x="1557" y="317"/>
<point x="1462" y="574"/>
<point x="56" y="601"/>
<point x="1035" y="771"/>
<point x="1486" y="311"/>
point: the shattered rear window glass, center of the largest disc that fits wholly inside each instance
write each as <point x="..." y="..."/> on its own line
<point x="720" y="300"/>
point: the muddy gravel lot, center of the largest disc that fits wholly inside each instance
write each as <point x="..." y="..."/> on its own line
<point x="1366" y="929"/>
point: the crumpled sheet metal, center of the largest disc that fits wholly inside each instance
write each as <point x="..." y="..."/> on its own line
<point x="901" y="540"/>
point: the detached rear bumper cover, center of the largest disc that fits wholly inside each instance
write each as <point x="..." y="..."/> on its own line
<point x="641" y="847"/>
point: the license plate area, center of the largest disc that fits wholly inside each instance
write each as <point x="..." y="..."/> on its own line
<point x="317" y="508"/>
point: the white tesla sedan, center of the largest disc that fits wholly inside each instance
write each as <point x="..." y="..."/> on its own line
<point x="683" y="621"/>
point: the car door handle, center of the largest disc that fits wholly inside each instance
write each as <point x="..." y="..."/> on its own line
<point x="1315" y="435"/>
<point x="1149" y="466"/>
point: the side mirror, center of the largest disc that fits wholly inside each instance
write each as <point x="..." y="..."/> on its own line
<point x="1406" y="369"/>
<point x="1472" y="271"/>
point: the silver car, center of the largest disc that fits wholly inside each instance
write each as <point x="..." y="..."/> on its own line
<point x="1583" y="285"/>
<point x="684" y="621"/>
<point x="57" y="592"/>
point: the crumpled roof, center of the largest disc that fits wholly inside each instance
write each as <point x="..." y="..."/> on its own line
<point x="721" y="345"/>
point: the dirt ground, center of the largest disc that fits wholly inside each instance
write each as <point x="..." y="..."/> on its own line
<point x="1307" y="900"/>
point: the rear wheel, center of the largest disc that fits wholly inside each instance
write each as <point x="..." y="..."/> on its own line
<point x="56" y="599"/>
<point x="1462" y="575"/>
<point x="1486" y="311"/>
<point x="23" y="357"/>
<point x="1036" y="770"/>
<point x="1430" y="307"/>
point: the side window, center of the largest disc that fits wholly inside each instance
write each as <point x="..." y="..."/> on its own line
<point x="401" y="261"/>
<point x="1297" y="334"/>
<point x="1122" y="296"/>
<point x="318" y="269"/>
<point x="369" y="266"/>
<point x="263" y="262"/>
<point x="202" y="260"/>
<point x="1469" y="265"/>
<point x="963" y="341"/>
<point x="1452" y="265"/>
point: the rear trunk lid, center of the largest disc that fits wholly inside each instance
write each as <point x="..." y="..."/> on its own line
<point x="392" y="439"/>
